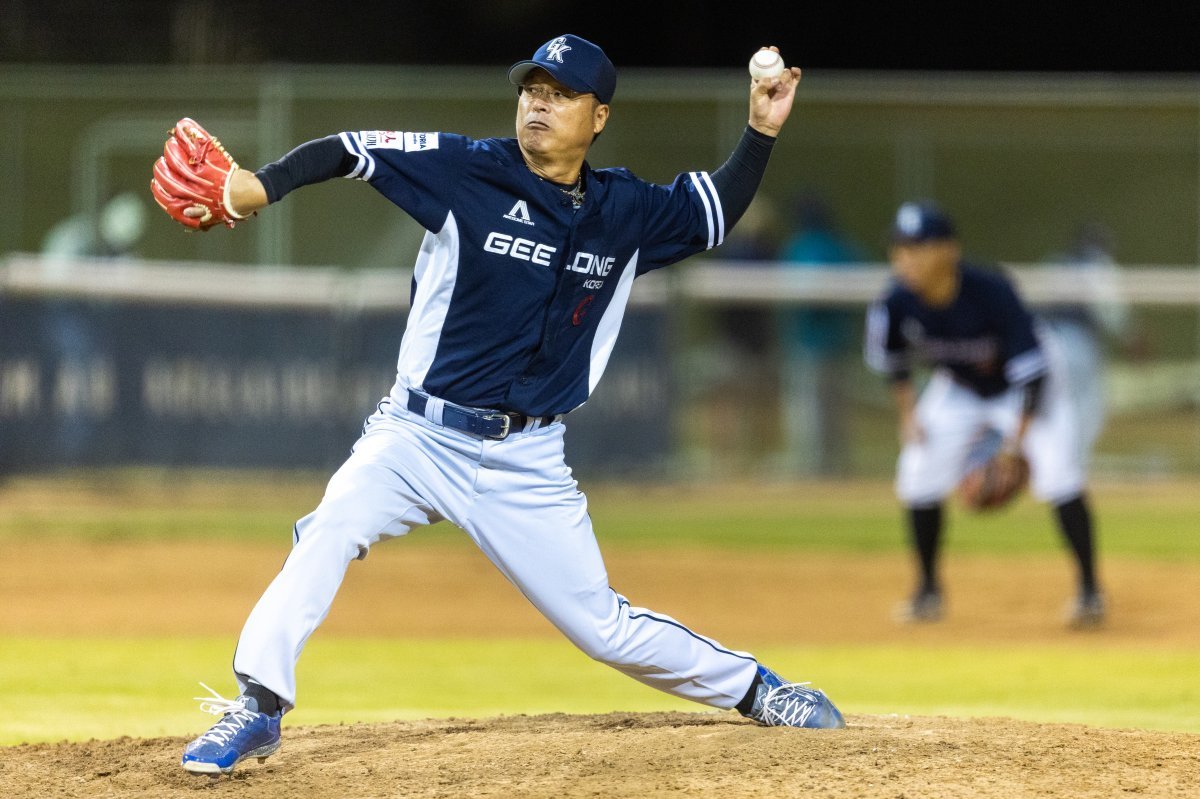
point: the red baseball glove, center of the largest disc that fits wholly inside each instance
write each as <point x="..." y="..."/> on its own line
<point x="194" y="172"/>
<point x="995" y="482"/>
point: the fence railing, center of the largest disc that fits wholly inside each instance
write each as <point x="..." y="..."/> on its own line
<point x="107" y="361"/>
<point x="710" y="281"/>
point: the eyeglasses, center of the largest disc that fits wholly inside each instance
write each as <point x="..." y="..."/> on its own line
<point x="546" y="94"/>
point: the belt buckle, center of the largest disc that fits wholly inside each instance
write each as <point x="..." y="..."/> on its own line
<point x="504" y="429"/>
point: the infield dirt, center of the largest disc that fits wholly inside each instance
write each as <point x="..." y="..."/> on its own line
<point x="641" y="755"/>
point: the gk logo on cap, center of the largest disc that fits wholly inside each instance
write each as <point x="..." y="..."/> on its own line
<point x="556" y="48"/>
<point x="909" y="220"/>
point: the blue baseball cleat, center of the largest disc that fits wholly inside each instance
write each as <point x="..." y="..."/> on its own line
<point x="779" y="703"/>
<point x="241" y="733"/>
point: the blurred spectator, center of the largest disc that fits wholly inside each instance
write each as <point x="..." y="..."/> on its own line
<point x="115" y="231"/>
<point x="73" y="336"/>
<point x="816" y="342"/>
<point x="741" y="400"/>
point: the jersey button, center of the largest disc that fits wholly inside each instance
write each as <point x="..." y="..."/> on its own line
<point x="524" y="380"/>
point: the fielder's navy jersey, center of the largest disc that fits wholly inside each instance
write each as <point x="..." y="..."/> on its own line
<point x="985" y="337"/>
<point x="517" y="295"/>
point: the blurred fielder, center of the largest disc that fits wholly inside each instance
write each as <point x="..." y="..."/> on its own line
<point x="518" y="293"/>
<point x="996" y="408"/>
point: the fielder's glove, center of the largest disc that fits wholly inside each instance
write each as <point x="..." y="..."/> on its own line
<point x="194" y="172"/>
<point x="995" y="482"/>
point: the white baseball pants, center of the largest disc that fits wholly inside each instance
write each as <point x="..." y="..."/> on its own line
<point x="518" y="502"/>
<point x="951" y="416"/>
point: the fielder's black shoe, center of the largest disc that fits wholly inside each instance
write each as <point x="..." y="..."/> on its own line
<point x="924" y="607"/>
<point x="1087" y="611"/>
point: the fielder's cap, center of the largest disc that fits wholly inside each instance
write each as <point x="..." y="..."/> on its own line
<point x="918" y="222"/>
<point x="575" y="63"/>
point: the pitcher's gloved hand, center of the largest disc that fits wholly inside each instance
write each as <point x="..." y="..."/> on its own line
<point x="193" y="174"/>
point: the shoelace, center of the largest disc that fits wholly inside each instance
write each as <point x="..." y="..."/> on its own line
<point x="235" y="713"/>
<point x="792" y="711"/>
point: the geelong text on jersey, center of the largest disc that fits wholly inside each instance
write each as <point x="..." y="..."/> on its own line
<point x="524" y="249"/>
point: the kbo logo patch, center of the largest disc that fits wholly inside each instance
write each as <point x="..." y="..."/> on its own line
<point x="382" y="139"/>
<point x="398" y="140"/>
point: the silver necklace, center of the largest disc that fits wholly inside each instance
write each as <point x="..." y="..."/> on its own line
<point x="575" y="193"/>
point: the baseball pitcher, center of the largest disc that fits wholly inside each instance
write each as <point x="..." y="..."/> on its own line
<point x="519" y="289"/>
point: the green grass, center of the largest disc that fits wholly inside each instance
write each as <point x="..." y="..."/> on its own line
<point x="1148" y="520"/>
<point x="1155" y="521"/>
<point x="105" y="688"/>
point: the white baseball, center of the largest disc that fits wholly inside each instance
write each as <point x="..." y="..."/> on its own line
<point x="766" y="64"/>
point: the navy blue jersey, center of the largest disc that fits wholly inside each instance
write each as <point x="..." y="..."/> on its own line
<point x="985" y="337"/>
<point x="518" y="296"/>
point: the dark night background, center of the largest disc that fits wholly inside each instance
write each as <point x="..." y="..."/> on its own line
<point x="1056" y="37"/>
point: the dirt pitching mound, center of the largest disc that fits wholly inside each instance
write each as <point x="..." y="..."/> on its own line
<point x="639" y="755"/>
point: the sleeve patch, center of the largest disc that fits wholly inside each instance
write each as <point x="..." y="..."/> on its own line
<point x="398" y="140"/>
<point x="416" y="142"/>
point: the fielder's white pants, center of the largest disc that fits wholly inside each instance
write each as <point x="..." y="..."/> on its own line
<point x="951" y="416"/>
<point x="518" y="502"/>
<point x="1083" y="357"/>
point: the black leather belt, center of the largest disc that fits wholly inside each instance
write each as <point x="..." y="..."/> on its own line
<point x="485" y="422"/>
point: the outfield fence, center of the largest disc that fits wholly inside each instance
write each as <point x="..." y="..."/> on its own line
<point x="126" y="361"/>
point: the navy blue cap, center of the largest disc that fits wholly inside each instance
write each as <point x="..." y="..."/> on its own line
<point x="918" y="222"/>
<point x="575" y="63"/>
